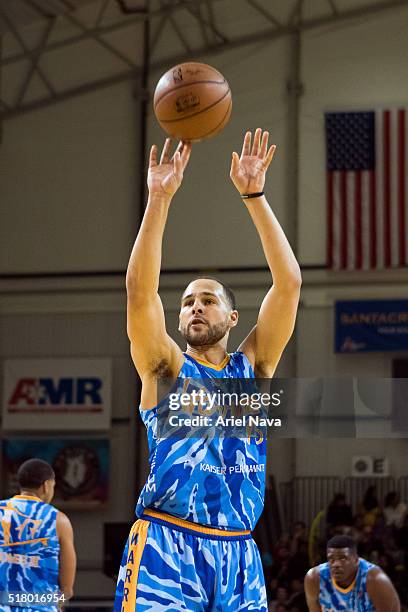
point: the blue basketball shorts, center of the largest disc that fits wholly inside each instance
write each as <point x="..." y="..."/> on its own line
<point x="172" y="565"/>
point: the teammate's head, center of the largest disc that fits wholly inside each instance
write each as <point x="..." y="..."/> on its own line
<point x="207" y="313"/>
<point x="37" y="476"/>
<point x="342" y="558"/>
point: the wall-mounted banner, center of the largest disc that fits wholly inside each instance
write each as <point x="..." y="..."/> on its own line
<point x="81" y="467"/>
<point x="56" y="394"/>
<point x="371" y="325"/>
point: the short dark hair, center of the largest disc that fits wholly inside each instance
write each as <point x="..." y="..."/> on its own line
<point x="229" y="294"/>
<point x="33" y="473"/>
<point x="342" y="541"/>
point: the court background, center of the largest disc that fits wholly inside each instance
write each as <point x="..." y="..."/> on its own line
<point x="71" y="184"/>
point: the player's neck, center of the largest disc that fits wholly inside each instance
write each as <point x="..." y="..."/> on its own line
<point x="345" y="584"/>
<point x="27" y="493"/>
<point x="213" y="354"/>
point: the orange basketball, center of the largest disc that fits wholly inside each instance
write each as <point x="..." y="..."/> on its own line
<point x="192" y="101"/>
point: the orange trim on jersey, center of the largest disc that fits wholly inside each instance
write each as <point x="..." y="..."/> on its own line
<point x="193" y="526"/>
<point x="137" y="542"/>
<point x="213" y="366"/>
<point x="42" y="540"/>
<point x="27" y="497"/>
<point x="347" y="589"/>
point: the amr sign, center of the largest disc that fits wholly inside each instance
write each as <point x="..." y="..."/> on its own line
<point x="57" y="394"/>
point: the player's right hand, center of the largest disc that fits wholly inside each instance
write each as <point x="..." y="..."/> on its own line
<point x="165" y="177"/>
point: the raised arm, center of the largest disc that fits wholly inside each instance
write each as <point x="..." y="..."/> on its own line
<point x="67" y="556"/>
<point x="312" y="589"/>
<point x="382" y="592"/>
<point x="265" y="343"/>
<point x="153" y="351"/>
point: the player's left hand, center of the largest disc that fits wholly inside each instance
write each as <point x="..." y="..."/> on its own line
<point x="248" y="171"/>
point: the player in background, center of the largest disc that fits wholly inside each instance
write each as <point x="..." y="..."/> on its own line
<point x="37" y="555"/>
<point x="348" y="582"/>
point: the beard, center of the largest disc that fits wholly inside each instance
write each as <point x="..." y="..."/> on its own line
<point x="208" y="336"/>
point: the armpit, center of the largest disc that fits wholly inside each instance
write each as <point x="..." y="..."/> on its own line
<point x="161" y="369"/>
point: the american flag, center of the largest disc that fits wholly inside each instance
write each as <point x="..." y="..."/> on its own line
<point x="367" y="168"/>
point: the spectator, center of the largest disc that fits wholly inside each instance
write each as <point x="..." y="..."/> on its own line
<point x="402" y="538"/>
<point x="282" y="548"/>
<point x="370" y="508"/>
<point x="357" y="528"/>
<point x="339" y="515"/>
<point x="394" y="510"/>
<point x="272" y="589"/>
<point x="297" y="599"/>
<point x="298" y="562"/>
<point x="282" y="597"/>
<point x="317" y="539"/>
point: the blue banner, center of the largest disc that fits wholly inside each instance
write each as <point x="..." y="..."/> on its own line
<point x="371" y="325"/>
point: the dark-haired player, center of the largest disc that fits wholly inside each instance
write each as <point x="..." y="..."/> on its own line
<point x="191" y="548"/>
<point x="347" y="582"/>
<point x="37" y="555"/>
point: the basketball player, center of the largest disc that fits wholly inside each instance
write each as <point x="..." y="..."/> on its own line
<point x="191" y="548"/>
<point x="37" y="555"/>
<point x="347" y="582"/>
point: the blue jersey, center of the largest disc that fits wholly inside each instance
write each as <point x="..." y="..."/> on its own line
<point x="29" y="547"/>
<point x="353" y="599"/>
<point x="212" y="480"/>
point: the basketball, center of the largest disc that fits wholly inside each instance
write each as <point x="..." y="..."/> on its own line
<point x="192" y="101"/>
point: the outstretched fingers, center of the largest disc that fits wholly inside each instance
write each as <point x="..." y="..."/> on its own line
<point x="234" y="164"/>
<point x="185" y="153"/>
<point x="269" y="156"/>
<point x="257" y="141"/>
<point x="165" y="156"/>
<point x="264" y="145"/>
<point x="184" y="150"/>
<point x="246" y="147"/>
<point x="178" y="166"/>
<point x="153" y="156"/>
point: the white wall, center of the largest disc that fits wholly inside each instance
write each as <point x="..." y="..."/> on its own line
<point x="69" y="187"/>
<point x="332" y="457"/>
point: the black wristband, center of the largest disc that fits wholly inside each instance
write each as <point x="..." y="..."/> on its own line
<point x="248" y="196"/>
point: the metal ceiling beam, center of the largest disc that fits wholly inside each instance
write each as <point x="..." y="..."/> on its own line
<point x="171" y="6"/>
<point x="71" y="93"/>
<point x="155" y="39"/>
<point x="33" y="57"/>
<point x="211" y="16"/>
<point x="333" y="7"/>
<point x="296" y="11"/>
<point x="202" y="25"/>
<point x="268" y="16"/>
<point x="217" y="33"/>
<point x="103" y="43"/>
<point x="102" y="11"/>
<point x="34" y="61"/>
<point x="266" y="35"/>
<point x="41" y="12"/>
<point x="98" y="31"/>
